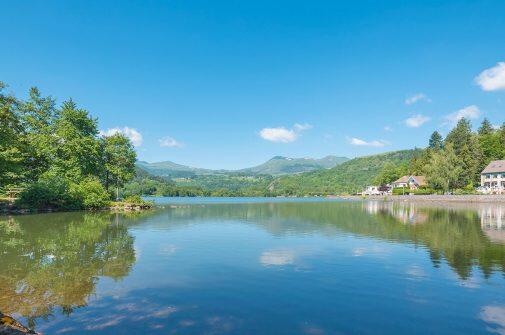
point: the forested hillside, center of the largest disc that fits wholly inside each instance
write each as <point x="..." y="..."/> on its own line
<point x="347" y="177"/>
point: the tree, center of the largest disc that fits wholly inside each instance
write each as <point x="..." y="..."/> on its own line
<point x="468" y="151"/>
<point x="460" y="135"/>
<point x="390" y="172"/>
<point x="444" y="170"/>
<point x="12" y="141"/>
<point x="77" y="146"/>
<point x="119" y="161"/>
<point x="486" y="128"/>
<point x="436" y="141"/>
<point x="38" y="115"/>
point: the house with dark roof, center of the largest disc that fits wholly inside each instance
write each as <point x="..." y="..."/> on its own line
<point x="492" y="178"/>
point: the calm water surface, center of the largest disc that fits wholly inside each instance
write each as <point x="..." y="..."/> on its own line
<point x="258" y="266"/>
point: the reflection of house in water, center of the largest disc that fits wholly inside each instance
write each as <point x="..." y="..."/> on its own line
<point x="492" y="222"/>
<point x="403" y="212"/>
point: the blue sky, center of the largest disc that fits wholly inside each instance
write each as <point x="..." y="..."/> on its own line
<point x="229" y="84"/>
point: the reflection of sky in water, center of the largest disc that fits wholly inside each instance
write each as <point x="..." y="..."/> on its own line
<point x="292" y="269"/>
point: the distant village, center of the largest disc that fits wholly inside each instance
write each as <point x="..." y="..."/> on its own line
<point x="492" y="181"/>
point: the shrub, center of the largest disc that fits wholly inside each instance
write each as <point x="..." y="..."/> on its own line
<point x="48" y="193"/>
<point x="421" y="191"/>
<point x="90" y="193"/>
<point x="136" y="200"/>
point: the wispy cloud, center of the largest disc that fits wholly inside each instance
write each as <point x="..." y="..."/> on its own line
<point x="133" y="134"/>
<point x="416" y="121"/>
<point x="363" y="143"/>
<point x="283" y="134"/>
<point x="492" y="79"/>
<point x="170" y="142"/>
<point x="469" y="112"/>
<point x="416" y="98"/>
<point x="388" y="128"/>
<point x="302" y="127"/>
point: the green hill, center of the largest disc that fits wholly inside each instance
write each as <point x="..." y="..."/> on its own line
<point x="173" y="170"/>
<point x="279" y="165"/>
<point x="347" y="177"/>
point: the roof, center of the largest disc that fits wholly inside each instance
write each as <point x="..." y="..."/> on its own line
<point x="404" y="179"/>
<point x="420" y="180"/>
<point x="495" y="167"/>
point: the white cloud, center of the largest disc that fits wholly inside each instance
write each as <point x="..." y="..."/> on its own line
<point x="132" y="133"/>
<point x="279" y="134"/>
<point x="416" y="121"/>
<point x="302" y="127"/>
<point x="170" y="142"/>
<point x="469" y="112"/>
<point x="282" y="134"/>
<point x="388" y="128"/>
<point x="374" y="143"/>
<point x="492" y="79"/>
<point x="416" y="98"/>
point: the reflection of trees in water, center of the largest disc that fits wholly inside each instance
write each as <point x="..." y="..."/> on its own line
<point x="453" y="234"/>
<point x="54" y="260"/>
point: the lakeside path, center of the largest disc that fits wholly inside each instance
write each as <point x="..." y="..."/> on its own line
<point x="471" y="198"/>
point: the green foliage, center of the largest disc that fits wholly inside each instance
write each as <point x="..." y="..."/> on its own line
<point x="119" y="160"/>
<point x="48" y="193"/>
<point x="390" y="172"/>
<point x="12" y="141"/>
<point x="90" y="193"/>
<point x="485" y="128"/>
<point x="436" y="141"/>
<point x="57" y="154"/>
<point x="348" y="177"/>
<point x="421" y="191"/>
<point x="444" y="170"/>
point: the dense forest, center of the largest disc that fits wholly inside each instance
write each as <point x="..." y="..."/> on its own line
<point x="54" y="154"/>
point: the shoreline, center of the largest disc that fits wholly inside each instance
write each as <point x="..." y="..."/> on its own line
<point x="434" y="198"/>
<point x="115" y="207"/>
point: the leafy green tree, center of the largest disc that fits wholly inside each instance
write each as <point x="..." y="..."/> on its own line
<point x="90" y="193"/>
<point x="436" y="141"/>
<point x="460" y="135"/>
<point x="119" y="161"/>
<point x="77" y="146"/>
<point x="468" y="151"/>
<point x="390" y="172"/>
<point x="12" y="141"/>
<point x="486" y="128"/>
<point x="444" y="170"/>
<point x="38" y="115"/>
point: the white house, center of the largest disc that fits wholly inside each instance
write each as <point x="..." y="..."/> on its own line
<point x="410" y="182"/>
<point x="492" y="178"/>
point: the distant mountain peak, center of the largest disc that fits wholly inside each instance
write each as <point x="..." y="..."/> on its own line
<point x="277" y="165"/>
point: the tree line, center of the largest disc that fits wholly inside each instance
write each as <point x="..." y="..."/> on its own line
<point x="56" y="154"/>
<point x="453" y="163"/>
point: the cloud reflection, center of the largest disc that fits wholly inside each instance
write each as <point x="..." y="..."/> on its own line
<point x="494" y="315"/>
<point x="277" y="257"/>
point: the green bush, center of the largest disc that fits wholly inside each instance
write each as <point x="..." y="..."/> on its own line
<point x="421" y="191"/>
<point x="48" y="193"/>
<point x="136" y="200"/>
<point x="90" y="194"/>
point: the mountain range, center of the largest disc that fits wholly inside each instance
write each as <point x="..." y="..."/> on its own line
<point x="276" y="166"/>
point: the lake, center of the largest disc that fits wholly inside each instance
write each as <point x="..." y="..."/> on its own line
<point x="258" y="266"/>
